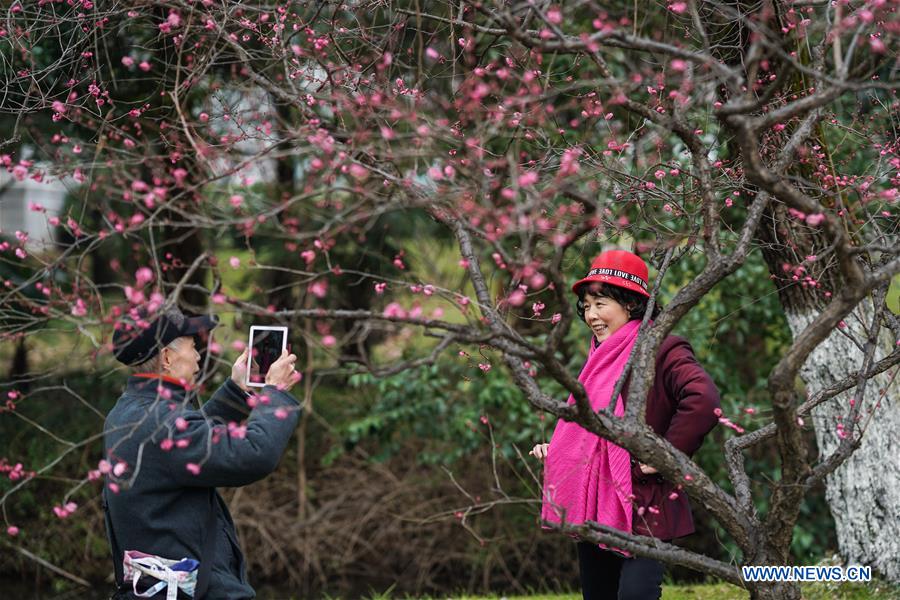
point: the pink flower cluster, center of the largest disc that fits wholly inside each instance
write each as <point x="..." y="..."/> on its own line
<point x="106" y="467"/>
<point x="727" y="422"/>
<point x="255" y="400"/>
<point x="15" y="472"/>
<point x="813" y="220"/>
<point x="395" y="310"/>
<point x="63" y="511"/>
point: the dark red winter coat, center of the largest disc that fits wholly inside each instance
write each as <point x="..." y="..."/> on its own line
<point x="680" y="408"/>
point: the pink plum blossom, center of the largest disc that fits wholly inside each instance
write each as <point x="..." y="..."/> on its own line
<point x="528" y="178"/>
<point x="516" y="298"/>
<point x="143" y="276"/>
<point x="319" y="288"/>
<point x="79" y="310"/>
<point x="394" y="310"/>
<point x="359" y="172"/>
<point x="876" y="45"/>
<point x="815" y="220"/>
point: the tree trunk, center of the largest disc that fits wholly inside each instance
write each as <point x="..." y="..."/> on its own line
<point x="863" y="493"/>
<point x="185" y="245"/>
<point x="18" y="372"/>
<point x="282" y="288"/>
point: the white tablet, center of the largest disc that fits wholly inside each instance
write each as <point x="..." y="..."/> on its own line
<point x="266" y="345"/>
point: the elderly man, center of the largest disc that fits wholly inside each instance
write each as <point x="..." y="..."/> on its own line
<point x="165" y="459"/>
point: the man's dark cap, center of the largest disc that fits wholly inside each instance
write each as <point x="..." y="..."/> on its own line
<point x="139" y="339"/>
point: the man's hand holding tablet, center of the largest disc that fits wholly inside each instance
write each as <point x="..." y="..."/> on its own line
<point x="282" y="374"/>
<point x="266" y="345"/>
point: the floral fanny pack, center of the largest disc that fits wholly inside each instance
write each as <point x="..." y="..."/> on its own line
<point x="163" y="573"/>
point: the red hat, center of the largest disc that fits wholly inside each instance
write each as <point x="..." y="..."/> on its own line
<point x="620" y="268"/>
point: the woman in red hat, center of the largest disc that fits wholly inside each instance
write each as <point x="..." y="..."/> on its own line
<point x="588" y="478"/>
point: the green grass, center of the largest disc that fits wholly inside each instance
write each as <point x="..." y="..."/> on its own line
<point x="893" y="295"/>
<point x="722" y="591"/>
<point x="876" y="590"/>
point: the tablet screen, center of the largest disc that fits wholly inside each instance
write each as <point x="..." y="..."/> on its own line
<point x="265" y="348"/>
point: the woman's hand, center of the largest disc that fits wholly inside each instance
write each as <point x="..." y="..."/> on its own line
<point x="540" y="451"/>
<point x="648" y="470"/>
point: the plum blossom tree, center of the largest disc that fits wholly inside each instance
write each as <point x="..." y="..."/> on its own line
<point x="530" y="134"/>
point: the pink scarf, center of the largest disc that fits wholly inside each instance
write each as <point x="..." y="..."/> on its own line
<point x="588" y="478"/>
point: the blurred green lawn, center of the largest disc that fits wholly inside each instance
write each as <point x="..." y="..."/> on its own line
<point x="893" y="295"/>
<point x="723" y="591"/>
<point x="875" y="590"/>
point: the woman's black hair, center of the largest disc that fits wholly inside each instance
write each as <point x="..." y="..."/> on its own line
<point x="634" y="303"/>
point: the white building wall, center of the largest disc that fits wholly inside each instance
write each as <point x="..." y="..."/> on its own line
<point x="15" y="198"/>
